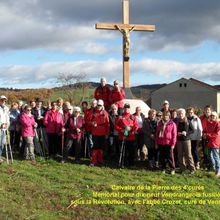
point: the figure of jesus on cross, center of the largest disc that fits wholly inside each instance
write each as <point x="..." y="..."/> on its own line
<point x="125" y="28"/>
<point x="126" y="40"/>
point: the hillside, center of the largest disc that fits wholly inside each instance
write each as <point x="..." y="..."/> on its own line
<point x="50" y="190"/>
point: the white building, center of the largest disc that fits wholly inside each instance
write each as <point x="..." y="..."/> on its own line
<point x="187" y="92"/>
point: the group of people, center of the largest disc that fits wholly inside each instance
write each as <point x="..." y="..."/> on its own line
<point x="107" y="130"/>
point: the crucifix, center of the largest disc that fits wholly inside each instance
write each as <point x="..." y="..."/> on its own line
<point x="126" y="28"/>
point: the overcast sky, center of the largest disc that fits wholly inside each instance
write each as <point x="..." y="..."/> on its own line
<point x="41" y="38"/>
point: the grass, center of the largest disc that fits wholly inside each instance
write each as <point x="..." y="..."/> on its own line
<point x="47" y="189"/>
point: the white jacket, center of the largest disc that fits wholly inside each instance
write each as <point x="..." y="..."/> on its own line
<point x="4" y="116"/>
<point x="197" y="125"/>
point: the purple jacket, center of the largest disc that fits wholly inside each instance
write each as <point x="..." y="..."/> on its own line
<point x="27" y="125"/>
<point x="169" y="134"/>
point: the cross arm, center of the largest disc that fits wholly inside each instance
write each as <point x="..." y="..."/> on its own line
<point x="136" y="27"/>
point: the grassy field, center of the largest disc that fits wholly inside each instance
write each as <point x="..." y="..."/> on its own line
<point x="51" y="190"/>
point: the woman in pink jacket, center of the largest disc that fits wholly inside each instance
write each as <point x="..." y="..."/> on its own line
<point x="28" y="125"/>
<point x="166" y="134"/>
<point x="211" y="134"/>
<point x="53" y="121"/>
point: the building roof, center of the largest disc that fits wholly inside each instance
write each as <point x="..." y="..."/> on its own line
<point x="204" y="84"/>
<point x="195" y="81"/>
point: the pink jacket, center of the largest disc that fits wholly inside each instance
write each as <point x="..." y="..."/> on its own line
<point x="212" y="131"/>
<point x="27" y="125"/>
<point x="53" y="121"/>
<point x="169" y="134"/>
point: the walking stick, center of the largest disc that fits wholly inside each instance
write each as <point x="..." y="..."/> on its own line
<point x="6" y="143"/>
<point x="62" y="144"/>
<point x="122" y="154"/>
<point x="38" y="145"/>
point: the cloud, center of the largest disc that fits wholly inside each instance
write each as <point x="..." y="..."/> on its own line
<point x="44" y="74"/>
<point x="66" y="25"/>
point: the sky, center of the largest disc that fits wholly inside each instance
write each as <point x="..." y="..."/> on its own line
<point x="41" y="39"/>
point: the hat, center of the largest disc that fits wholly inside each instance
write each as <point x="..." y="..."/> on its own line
<point x="215" y="114"/>
<point x="165" y="102"/>
<point x="126" y="105"/>
<point x="3" y="97"/>
<point x="100" y="102"/>
<point x="76" y="109"/>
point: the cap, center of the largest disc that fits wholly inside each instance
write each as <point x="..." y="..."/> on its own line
<point x="165" y="102"/>
<point x="76" y="109"/>
<point x="2" y="97"/>
<point x="214" y="114"/>
<point x="126" y="105"/>
<point x="100" y="102"/>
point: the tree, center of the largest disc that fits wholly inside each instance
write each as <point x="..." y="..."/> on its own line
<point x="74" y="86"/>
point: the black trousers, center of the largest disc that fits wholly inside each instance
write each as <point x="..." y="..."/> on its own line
<point x="129" y="152"/>
<point x="194" y="150"/>
<point x="166" y="156"/>
<point x="54" y="142"/>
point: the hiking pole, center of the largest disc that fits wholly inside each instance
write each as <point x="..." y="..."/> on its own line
<point x="85" y="141"/>
<point x="38" y="145"/>
<point x="62" y="144"/>
<point x="122" y="151"/>
<point x="6" y="143"/>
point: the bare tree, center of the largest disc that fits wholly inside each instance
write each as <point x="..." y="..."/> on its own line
<point x="74" y="86"/>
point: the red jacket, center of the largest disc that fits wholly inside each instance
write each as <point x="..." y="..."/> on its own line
<point x="126" y="119"/>
<point x="88" y="114"/>
<point x="169" y="134"/>
<point x="204" y="121"/>
<point x="116" y="97"/>
<point x="53" y="121"/>
<point x="212" y="131"/>
<point x="99" y="123"/>
<point x="71" y="127"/>
<point x="103" y="93"/>
<point x="27" y="125"/>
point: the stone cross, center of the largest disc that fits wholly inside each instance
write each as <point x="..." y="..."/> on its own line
<point x="125" y="28"/>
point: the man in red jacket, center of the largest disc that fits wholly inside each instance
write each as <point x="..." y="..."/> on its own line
<point x="116" y="96"/>
<point x="100" y="131"/>
<point x="102" y="92"/>
<point x="126" y="125"/>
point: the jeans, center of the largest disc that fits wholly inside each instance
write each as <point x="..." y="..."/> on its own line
<point x="213" y="154"/>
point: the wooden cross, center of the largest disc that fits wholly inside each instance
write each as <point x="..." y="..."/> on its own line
<point x="125" y="28"/>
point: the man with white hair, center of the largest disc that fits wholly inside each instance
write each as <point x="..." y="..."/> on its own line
<point x="102" y="92"/>
<point x="4" y="122"/>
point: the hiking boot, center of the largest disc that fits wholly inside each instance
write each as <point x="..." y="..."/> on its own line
<point x="172" y="172"/>
<point x="33" y="162"/>
<point x="197" y="166"/>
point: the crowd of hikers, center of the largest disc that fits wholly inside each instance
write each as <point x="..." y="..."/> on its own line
<point x="106" y="130"/>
